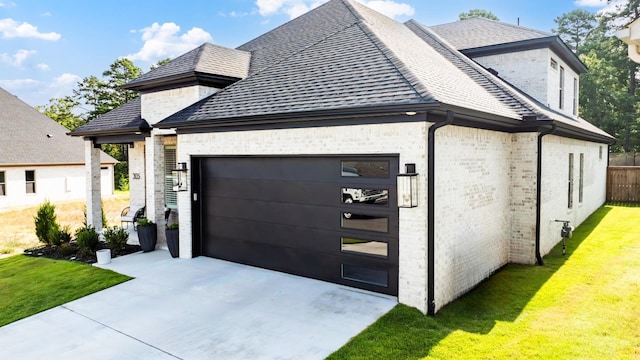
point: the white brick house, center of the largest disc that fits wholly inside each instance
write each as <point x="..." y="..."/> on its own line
<point x="293" y="150"/>
<point x="38" y="161"/>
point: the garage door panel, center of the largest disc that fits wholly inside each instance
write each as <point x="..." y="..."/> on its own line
<point x="303" y="169"/>
<point x="316" y="193"/>
<point x="308" y="216"/>
<point x="307" y="263"/>
<point x="322" y="241"/>
<point x="289" y="214"/>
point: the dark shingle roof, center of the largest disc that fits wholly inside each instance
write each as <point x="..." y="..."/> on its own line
<point x="205" y="62"/>
<point x="347" y="56"/>
<point x="480" y="32"/>
<point x="480" y="37"/>
<point x="27" y="137"/>
<point x="506" y="93"/>
<point x="123" y="120"/>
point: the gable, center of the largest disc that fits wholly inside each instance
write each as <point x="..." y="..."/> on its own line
<point x="28" y="137"/>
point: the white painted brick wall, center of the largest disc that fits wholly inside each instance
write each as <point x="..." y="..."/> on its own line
<point x="156" y="106"/>
<point x="473" y="219"/>
<point x="523" y="197"/>
<point x="137" y="179"/>
<point x="409" y="140"/>
<point x="555" y="173"/>
<point x="531" y="72"/>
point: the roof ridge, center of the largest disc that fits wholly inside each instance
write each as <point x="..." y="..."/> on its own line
<point x="520" y="27"/>
<point x="406" y="73"/>
<point x="477" y="68"/>
<point x="258" y="72"/>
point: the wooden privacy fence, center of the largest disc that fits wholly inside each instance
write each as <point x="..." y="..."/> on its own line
<point x="623" y="184"/>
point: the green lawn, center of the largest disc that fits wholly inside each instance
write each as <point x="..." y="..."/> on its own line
<point x="30" y="285"/>
<point x="585" y="305"/>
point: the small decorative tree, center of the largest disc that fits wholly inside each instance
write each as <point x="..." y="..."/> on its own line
<point x="47" y="227"/>
<point x="116" y="239"/>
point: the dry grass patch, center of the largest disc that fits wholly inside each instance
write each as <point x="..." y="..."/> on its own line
<point x="18" y="229"/>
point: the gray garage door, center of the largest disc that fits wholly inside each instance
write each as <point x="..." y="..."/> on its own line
<point x="328" y="218"/>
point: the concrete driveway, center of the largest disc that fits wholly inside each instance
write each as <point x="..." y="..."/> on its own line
<point x="198" y="308"/>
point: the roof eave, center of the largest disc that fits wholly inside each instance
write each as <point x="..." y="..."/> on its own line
<point x="297" y="117"/>
<point x="552" y="42"/>
<point x="189" y="78"/>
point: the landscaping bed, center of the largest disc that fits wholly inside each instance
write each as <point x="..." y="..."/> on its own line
<point x="73" y="253"/>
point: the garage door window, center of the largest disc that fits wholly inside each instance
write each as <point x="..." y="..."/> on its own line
<point x="365" y="247"/>
<point x="365" y="275"/>
<point x="366" y="222"/>
<point x="367" y="169"/>
<point x="365" y="196"/>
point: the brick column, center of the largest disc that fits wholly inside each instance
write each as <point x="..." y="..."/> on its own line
<point x="92" y="178"/>
<point x="137" y="186"/>
<point x="154" y="150"/>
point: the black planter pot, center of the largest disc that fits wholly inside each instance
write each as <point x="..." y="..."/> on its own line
<point x="173" y="242"/>
<point x="147" y="235"/>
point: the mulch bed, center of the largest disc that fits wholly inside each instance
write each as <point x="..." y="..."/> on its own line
<point x="72" y="253"/>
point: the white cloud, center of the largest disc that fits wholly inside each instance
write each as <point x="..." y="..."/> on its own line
<point x="18" y="58"/>
<point x="43" y="67"/>
<point x="295" y="8"/>
<point x="590" y="3"/>
<point x="19" y="84"/>
<point x="65" y="80"/>
<point x="12" y="29"/>
<point x="46" y="14"/>
<point x="162" y="41"/>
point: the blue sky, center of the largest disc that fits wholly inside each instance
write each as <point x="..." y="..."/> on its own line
<point x="46" y="47"/>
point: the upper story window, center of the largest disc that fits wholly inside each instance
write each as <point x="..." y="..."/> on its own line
<point x="30" y="180"/>
<point x="581" y="180"/>
<point x="561" y="87"/>
<point x="575" y="96"/>
<point x="3" y="184"/>
<point x="554" y="64"/>
<point x="570" y="183"/>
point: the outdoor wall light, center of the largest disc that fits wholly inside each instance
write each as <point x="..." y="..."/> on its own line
<point x="408" y="187"/>
<point x="179" y="175"/>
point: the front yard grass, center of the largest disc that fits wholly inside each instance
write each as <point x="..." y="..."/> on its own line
<point x="584" y="305"/>
<point x="30" y="285"/>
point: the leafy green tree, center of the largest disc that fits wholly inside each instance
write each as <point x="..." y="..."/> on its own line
<point x="608" y="91"/>
<point x="104" y="95"/>
<point x="160" y="63"/>
<point x="476" y="13"/>
<point x="62" y="111"/>
<point x="574" y="28"/>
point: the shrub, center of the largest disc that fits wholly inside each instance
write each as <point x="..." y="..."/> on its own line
<point x="144" y="222"/>
<point x="67" y="249"/>
<point x="174" y="226"/>
<point x="116" y="238"/>
<point x="46" y="224"/>
<point x="87" y="238"/>
<point x="61" y="236"/>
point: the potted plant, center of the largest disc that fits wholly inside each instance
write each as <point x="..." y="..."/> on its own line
<point x="173" y="239"/>
<point x="147" y="234"/>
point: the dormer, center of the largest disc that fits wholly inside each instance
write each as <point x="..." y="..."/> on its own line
<point x="538" y="63"/>
<point x="187" y="79"/>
